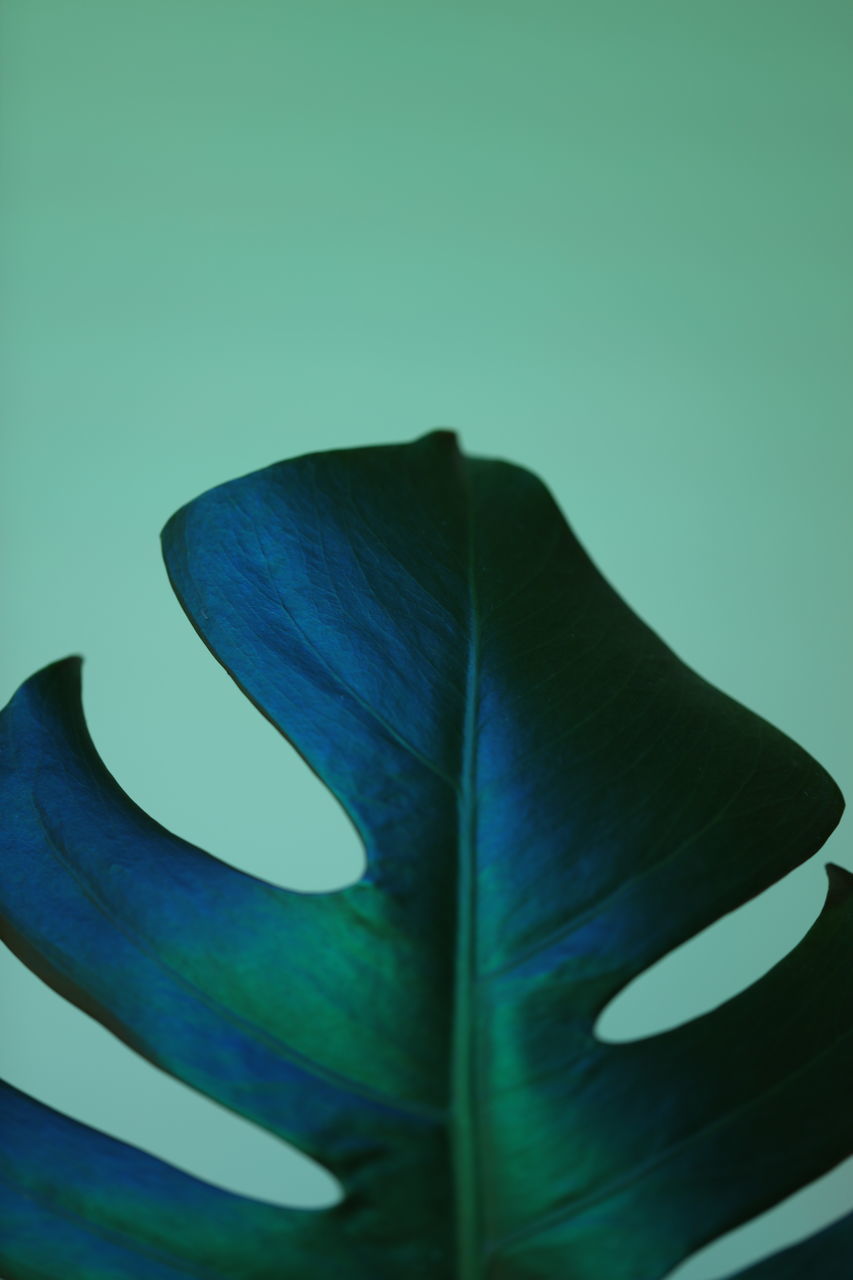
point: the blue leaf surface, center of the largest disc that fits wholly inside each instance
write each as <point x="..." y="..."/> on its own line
<point x="550" y="800"/>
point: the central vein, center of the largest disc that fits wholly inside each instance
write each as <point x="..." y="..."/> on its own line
<point x="464" y="1081"/>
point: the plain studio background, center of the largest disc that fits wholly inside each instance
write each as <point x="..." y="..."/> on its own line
<point x="610" y="241"/>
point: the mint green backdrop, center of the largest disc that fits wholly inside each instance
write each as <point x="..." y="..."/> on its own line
<point x="610" y="241"/>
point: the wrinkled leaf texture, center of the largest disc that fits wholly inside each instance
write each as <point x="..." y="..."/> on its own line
<point x="549" y="800"/>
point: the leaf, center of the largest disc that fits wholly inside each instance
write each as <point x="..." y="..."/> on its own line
<point x="550" y="801"/>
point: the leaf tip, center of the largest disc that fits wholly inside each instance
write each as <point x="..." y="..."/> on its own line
<point x="64" y="673"/>
<point x="441" y="438"/>
<point x="840" y="885"/>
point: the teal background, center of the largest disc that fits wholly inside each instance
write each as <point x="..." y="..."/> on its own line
<point x="610" y="241"/>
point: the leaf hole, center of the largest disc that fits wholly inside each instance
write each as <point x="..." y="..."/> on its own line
<point x="795" y="1218"/>
<point x="717" y="964"/>
<point x="196" y="755"/>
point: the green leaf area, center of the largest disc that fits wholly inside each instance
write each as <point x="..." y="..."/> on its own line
<point x="549" y="800"/>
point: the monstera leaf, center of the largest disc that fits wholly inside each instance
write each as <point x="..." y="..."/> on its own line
<point x="549" y="799"/>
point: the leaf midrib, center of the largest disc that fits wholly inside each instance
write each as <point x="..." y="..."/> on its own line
<point x="464" y="1071"/>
